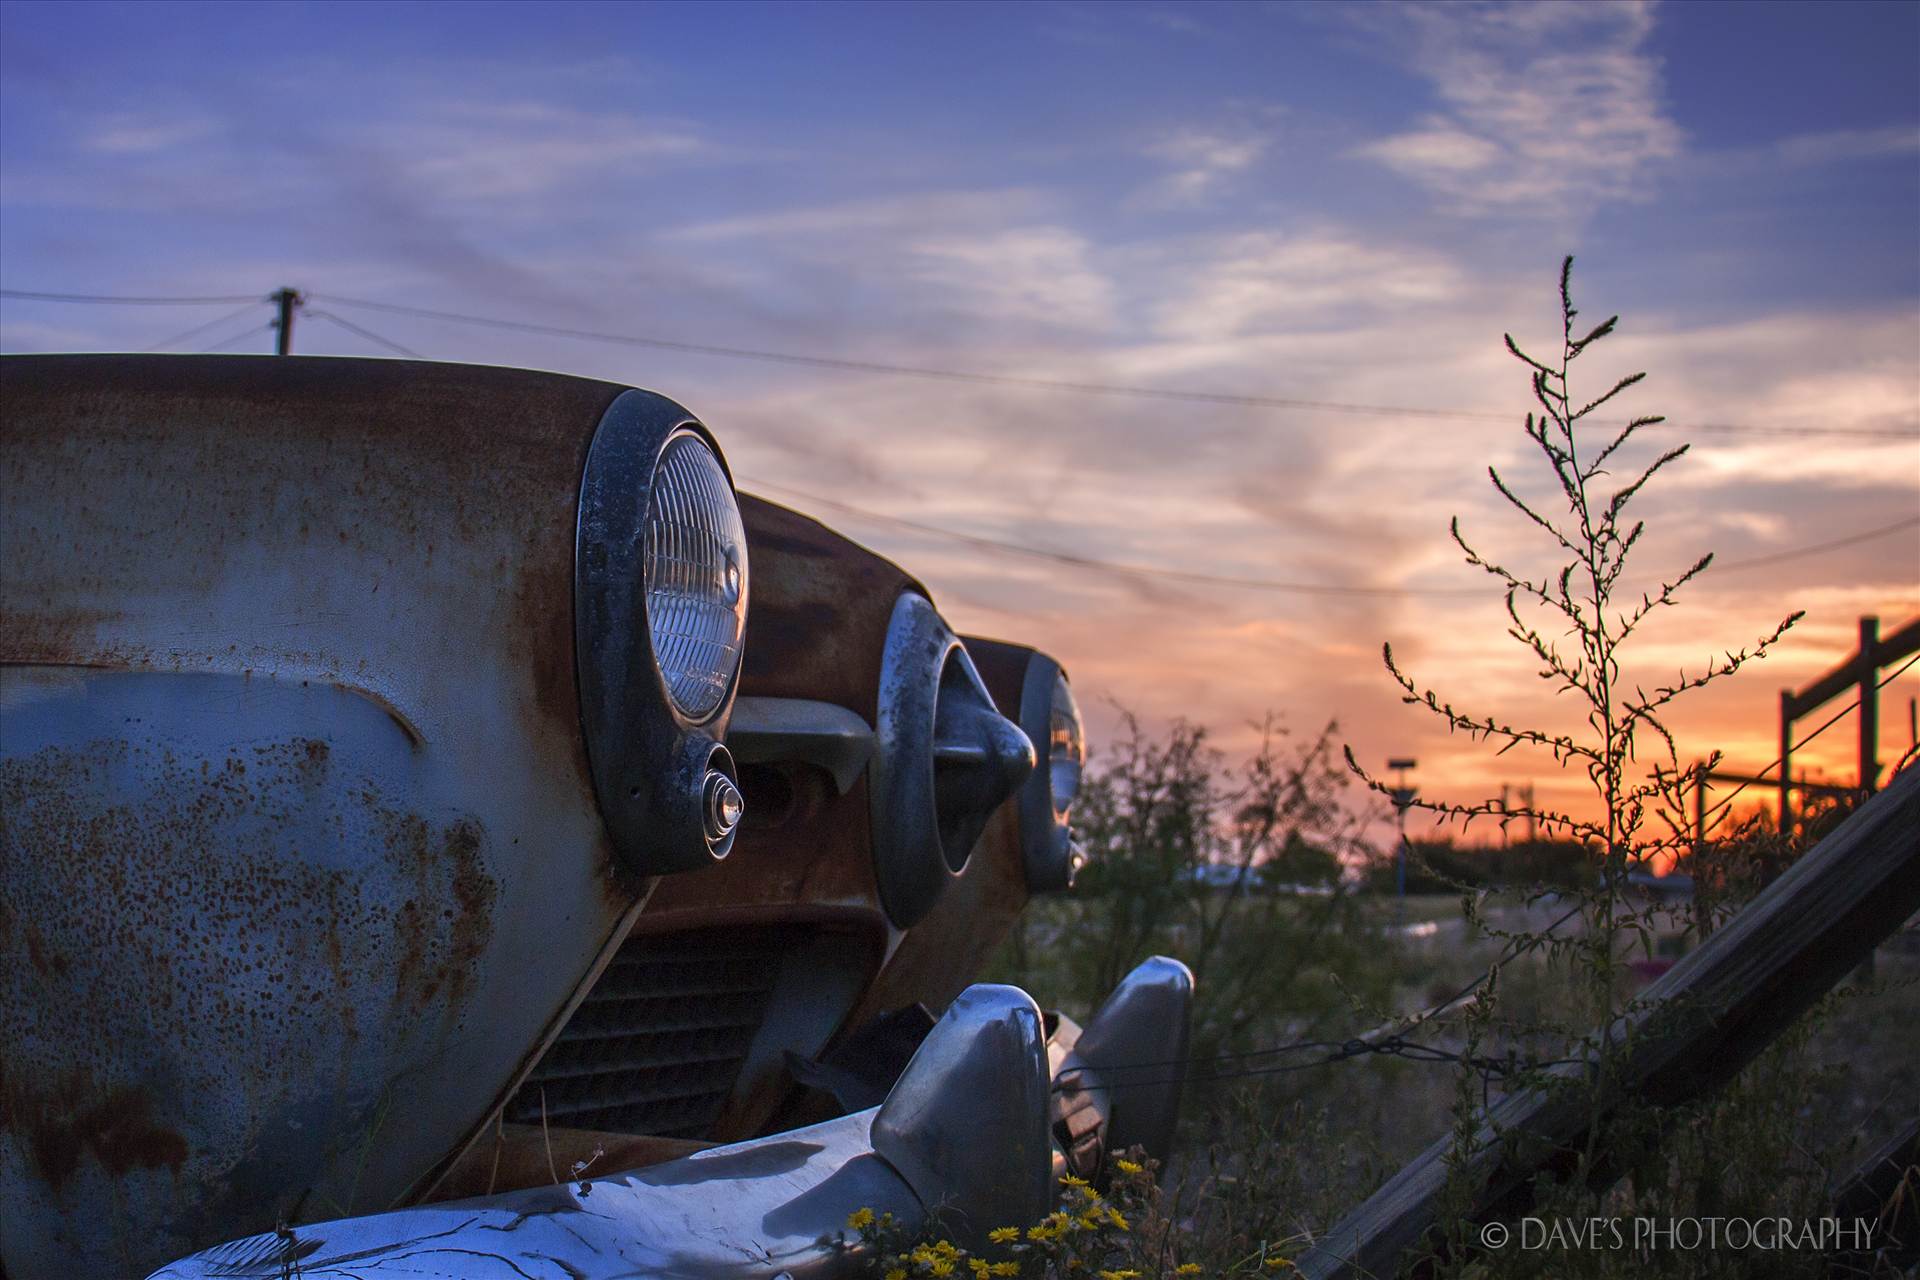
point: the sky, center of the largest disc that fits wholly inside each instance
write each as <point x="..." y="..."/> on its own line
<point x="1311" y="224"/>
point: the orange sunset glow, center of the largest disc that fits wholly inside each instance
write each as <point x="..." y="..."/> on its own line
<point x="1170" y="346"/>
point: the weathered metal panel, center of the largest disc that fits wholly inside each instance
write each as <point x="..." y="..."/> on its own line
<point x="300" y="851"/>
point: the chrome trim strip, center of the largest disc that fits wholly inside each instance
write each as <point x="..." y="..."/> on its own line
<point x="775" y="730"/>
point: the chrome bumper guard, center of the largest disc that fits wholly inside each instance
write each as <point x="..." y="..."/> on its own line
<point x="964" y="1135"/>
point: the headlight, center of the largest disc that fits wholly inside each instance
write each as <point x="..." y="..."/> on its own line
<point x="659" y="612"/>
<point x="1032" y="685"/>
<point x="696" y="577"/>
<point x="1066" y="747"/>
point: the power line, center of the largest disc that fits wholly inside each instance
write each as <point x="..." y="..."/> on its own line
<point x="199" y="329"/>
<point x="1777" y="557"/>
<point x="124" y="300"/>
<point x="1109" y="566"/>
<point x="956" y="375"/>
<point x="1214" y="580"/>
<point x="1045" y="384"/>
<point x="368" y="334"/>
<point x="236" y="338"/>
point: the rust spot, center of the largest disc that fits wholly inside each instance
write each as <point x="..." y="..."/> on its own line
<point x="76" y="1118"/>
<point x="50" y="631"/>
<point x="474" y="891"/>
<point x="46" y="962"/>
<point x="821" y="604"/>
<point x="540" y="639"/>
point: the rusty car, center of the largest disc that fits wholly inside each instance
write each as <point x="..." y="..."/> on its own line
<point x="446" y="829"/>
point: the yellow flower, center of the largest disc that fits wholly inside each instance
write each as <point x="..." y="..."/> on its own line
<point x="860" y="1218"/>
<point x="1002" y="1235"/>
<point x="945" y="1249"/>
<point x="1128" y="1166"/>
<point x="1041" y="1231"/>
<point x="1071" y="1181"/>
<point x="979" y="1267"/>
<point x="1117" y="1219"/>
<point x="1276" y="1262"/>
<point x="1005" y="1268"/>
<point x="1119" y="1275"/>
<point x="922" y="1255"/>
<point x="1184" y="1269"/>
<point x="897" y="1273"/>
<point x="942" y="1266"/>
<point x="1090" y="1221"/>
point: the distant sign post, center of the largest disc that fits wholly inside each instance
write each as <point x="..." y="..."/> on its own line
<point x="1402" y="799"/>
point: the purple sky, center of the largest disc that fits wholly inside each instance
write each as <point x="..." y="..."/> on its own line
<point x="1292" y="203"/>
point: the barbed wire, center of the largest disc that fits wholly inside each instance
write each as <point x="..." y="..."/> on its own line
<point x="1397" y="1044"/>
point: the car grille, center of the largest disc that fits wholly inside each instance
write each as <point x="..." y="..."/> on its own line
<point x="656" y="1046"/>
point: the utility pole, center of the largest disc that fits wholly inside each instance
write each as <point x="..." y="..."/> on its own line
<point x="286" y="300"/>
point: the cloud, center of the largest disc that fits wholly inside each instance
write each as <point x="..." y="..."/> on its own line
<point x="893" y="214"/>
<point x="1201" y="161"/>
<point x="128" y="134"/>
<point x="1846" y="144"/>
<point x="1043" y="273"/>
<point x="472" y="151"/>
<point x="1767" y="161"/>
<point x="1543" y="108"/>
<point x="1314" y="280"/>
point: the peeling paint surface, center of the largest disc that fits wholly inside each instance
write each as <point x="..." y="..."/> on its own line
<point x="301" y="855"/>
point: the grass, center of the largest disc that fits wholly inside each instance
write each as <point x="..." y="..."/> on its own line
<point x="1265" y="1164"/>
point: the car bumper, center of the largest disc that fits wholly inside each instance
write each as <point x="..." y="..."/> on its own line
<point x="974" y="1130"/>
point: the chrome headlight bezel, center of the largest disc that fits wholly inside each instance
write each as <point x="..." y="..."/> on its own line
<point x="1046" y="832"/>
<point x="652" y="762"/>
<point x="1032" y="686"/>
<point x="944" y="760"/>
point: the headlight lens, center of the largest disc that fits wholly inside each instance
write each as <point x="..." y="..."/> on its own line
<point x="695" y="576"/>
<point x="1066" y="747"/>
